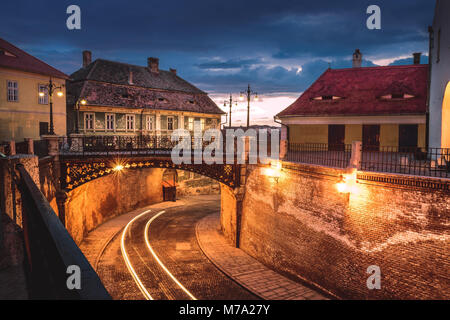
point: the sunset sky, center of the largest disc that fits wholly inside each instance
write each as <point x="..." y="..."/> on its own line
<point x="279" y="47"/>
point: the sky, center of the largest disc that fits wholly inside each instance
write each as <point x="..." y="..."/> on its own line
<point x="279" y="47"/>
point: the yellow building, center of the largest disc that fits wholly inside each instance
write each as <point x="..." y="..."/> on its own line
<point x="380" y="106"/>
<point x="24" y="113"/>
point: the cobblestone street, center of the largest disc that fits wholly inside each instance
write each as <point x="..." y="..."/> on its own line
<point x="173" y="239"/>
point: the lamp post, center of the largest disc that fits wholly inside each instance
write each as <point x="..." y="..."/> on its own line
<point x="77" y="108"/>
<point x="248" y="94"/>
<point x="51" y="87"/>
<point x="230" y="103"/>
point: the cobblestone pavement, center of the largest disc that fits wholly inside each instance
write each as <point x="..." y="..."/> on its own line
<point x="173" y="239"/>
<point x="246" y="270"/>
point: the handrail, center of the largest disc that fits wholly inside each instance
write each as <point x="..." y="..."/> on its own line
<point x="50" y="250"/>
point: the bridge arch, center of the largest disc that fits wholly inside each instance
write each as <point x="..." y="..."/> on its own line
<point x="76" y="172"/>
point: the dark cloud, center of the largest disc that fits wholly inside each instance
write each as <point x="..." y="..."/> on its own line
<point x="221" y="45"/>
<point x="229" y="64"/>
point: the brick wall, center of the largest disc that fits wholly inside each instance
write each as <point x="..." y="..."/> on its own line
<point x="302" y="227"/>
<point x="99" y="200"/>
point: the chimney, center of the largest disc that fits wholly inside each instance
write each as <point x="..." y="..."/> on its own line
<point x="417" y="57"/>
<point x="357" y="59"/>
<point x="153" y="64"/>
<point x="174" y="71"/>
<point x="87" y="58"/>
<point x="130" y="77"/>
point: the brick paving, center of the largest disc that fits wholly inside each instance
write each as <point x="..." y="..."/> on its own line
<point x="246" y="270"/>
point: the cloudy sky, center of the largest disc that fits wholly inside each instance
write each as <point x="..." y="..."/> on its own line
<point x="278" y="46"/>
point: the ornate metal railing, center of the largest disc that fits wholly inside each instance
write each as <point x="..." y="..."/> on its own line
<point x="337" y="156"/>
<point x="50" y="250"/>
<point x="116" y="145"/>
<point x="431" y="162"/>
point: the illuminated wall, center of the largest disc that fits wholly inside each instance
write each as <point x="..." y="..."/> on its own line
<point x="301" y="226"/>
<point x="446" y="119"/>
<point x="440" y="72"/>
<point x="19" y="120"/>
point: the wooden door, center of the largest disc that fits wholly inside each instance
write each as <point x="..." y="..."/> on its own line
<point x="336" y="137"/>
<point x="371" y="137"/>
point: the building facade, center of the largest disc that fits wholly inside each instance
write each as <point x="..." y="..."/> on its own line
<point x="113" y="98"/>
<point x="23" y="112"/>
<point x="439" y="104"/>
<point x="380" y="106"/>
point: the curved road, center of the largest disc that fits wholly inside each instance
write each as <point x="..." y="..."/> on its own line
<point x="163" y="259"/>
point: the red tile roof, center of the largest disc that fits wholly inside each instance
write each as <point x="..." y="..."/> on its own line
<point x="361" y="89"/>
<point x="25" y="62"/>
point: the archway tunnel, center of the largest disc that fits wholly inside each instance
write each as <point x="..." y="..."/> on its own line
<point x="101" y="199"/>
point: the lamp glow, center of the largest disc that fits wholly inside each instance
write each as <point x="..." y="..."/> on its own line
<point x="83" y="102"/>
<point x="119" y="167"/>
<point x="41" y="94"/>
<point x="60" y="93"/>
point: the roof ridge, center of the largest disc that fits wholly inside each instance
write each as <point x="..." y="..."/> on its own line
<point x="423" y="65"/>
<point x="33" y="57"/>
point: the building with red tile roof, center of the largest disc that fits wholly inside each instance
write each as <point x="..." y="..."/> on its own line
<point x="381" y="106"/>
<point x="23" y="113"/>
<point x="127" y="99"/>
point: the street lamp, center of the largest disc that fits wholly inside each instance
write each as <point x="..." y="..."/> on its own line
<point x="51" y="87"/>
<point x="248" y="94"/>
<point x="77" y="108"/>
<point x="230" y="103"/>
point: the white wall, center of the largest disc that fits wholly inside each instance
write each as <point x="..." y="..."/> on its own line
<point x="440" y="71"/>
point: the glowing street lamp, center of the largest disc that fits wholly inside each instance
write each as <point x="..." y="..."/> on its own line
<point x="51" y="88"/>
<point x="77" y="108"/>
<point x="248" y="93"/>
<point x="230" y="103"/>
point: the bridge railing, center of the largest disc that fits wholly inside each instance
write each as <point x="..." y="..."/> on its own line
<point x="115" y="145"/>
<point x="431" y="162"/>
<point x="320" y="153"/>
<point x="50" y="250"/>
<point x="416" y="161"/>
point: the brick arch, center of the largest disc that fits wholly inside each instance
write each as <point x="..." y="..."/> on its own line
<point x="76" y="172"/>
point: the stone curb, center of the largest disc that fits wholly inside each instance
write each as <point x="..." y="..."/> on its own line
<point x="247" y="271"/>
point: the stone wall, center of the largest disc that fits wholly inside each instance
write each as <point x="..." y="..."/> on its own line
<point x="190" y="184"/>
<point x="11" y="237"/>
<point x="303" y="227"/>
<point x="99" y="200"/>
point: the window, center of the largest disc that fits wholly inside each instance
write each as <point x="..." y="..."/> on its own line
<point x="43" y="128"/>
<point x="110" y="121"/>
<point x="327" y="98"/>
<point x="44" y="99"/>
<point x="169" y="123"/>
<point x="149" y="123"/>
<point x="130" y="121"/>
<point x="191" y="124"/>
<point x="214" y="123"/>
<point x="202" y="124"/>
<point x="88" y="121"/>
<point x="13" y="91"/>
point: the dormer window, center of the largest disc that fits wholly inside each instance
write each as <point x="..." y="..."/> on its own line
<point x="191" y="101"/>
<point x="327" y="98"/>
<point x="397" y="96"/>
<point x="162" y="99"/>
<point x="3" y="52"/>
